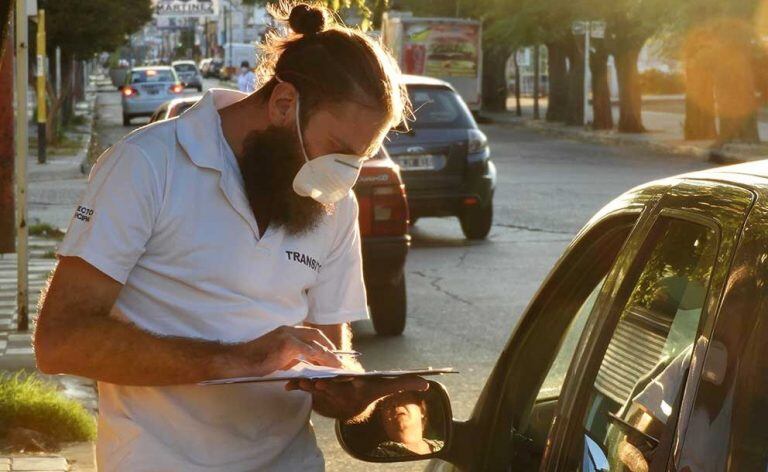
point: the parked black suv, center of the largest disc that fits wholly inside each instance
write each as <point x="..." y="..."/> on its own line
<point x="444" y="158"/>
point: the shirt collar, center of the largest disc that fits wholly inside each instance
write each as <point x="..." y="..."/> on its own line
<point x="195" y="128"/>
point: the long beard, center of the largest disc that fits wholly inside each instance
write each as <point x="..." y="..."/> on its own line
<point x="271" y="159"/>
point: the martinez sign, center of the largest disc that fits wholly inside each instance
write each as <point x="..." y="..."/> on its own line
<point x="186" y="8"/>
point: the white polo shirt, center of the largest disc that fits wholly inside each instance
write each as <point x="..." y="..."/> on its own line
<point x="165" y="215"/>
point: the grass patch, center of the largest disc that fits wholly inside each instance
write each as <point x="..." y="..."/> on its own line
<point x="46" y="231"/>
<point x="28" y="402"/>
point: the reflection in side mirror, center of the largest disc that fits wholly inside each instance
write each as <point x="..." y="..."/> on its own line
<point x="405" y="426"/>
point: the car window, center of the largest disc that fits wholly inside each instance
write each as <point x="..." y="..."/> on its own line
<point x="546" y="339"/>
<point x="643" y="369"/>
<point x="553" y="383"/>
<point x="184" y="67"/>
<point x="159" y="114"/>
<point x="438" y="108"/>
<point x="152" y="75"/>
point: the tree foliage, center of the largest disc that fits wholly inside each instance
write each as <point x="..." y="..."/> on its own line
<point x="83" y="28"/>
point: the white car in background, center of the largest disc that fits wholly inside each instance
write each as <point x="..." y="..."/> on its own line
<point x="189" y="74"/>
<point x="146" y="88"/>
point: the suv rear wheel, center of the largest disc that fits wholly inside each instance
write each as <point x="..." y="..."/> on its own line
<point x="476" y="221"/>
<point x="126" y="120"/>
<point x="388" y="308"/>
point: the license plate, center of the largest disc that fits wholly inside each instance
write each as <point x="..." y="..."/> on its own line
<point x="421" y="162"/>
<point x="152" y="90"/>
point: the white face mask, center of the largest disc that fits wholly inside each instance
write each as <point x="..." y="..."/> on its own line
<point x="328" y="178"/>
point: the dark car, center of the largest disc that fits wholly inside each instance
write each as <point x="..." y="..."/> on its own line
<point x="383" y="220"/>
<point x="444" y="158"/>
<point x="646" y="348"/>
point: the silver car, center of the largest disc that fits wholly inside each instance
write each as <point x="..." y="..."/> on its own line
<point x="189" y="74"/>
<point x="146" y="88"/>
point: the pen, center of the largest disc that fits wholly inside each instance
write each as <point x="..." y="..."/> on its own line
<point x="347" y="353"/>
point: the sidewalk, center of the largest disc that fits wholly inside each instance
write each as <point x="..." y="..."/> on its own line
<point x="53" y="190"/>
<point x="664" y="132"/>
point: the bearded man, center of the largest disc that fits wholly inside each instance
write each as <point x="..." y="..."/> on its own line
<point x="224" y="243"/>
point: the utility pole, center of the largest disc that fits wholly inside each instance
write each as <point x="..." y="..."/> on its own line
<point x="41" y="108"/>
<point x="58" y="72"/>
<point x="587" y="26"/>
<point x="536" y="83"/>
<point x="229" y="34"/>
<point x="21" y="141"/>
<point x="7" y="218"/>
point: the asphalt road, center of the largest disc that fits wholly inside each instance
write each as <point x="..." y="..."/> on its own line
<point x="465" y="298"/>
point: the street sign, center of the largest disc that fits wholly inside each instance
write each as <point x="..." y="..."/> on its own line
<point x="31" y="7"/>
<point x="186" y="8"/>
<point x="597" y="29"/>
<point x="579" y="27"/>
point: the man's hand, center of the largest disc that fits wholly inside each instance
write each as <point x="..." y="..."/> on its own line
<point x="278" y="350"/>
<point x="349" y="398"/>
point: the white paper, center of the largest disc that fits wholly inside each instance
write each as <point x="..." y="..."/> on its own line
<point x="305" y="370"/>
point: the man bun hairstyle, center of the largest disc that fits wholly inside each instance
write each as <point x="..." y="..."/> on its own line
<point x="329" y="63"/>
<point x="307" y="20"/>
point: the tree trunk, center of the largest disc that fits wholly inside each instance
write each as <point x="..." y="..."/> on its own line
<point x="575" y="110"/>
<point x="67" y="79"/>
<point x="699" y="102"/>
<point x="536" y="81"/>
<point x="557" y="67"/>
<point x="601" y="92"/>
<point x="630" y="98"/>
<point x="494" y="81"/>
<point x="6" y="10"/>
<point x="735" y="85"/>
<point x="518" y="108"/>
<point x="7" y="153"/>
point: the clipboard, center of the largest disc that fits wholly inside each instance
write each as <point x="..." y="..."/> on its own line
<point x="310" y="372"/>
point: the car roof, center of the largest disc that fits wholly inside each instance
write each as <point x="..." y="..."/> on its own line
<point x="184" y="61"/>
<point x="190" y="99"/>
<point x="423" y="80"/>
<point x="140" y="68"/>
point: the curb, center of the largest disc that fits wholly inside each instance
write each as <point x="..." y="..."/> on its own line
<point x="702" y="151"/>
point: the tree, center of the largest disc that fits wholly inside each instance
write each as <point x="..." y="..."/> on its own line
<point x="721" y="48"/>
<point x="82" y="28"/>
<point x="523" y="23"/>
<point x="602" y="111"/>
<point x="6" y="8"/>
<point x="629" y="25"/>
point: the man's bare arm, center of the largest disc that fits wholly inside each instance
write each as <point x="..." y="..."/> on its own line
<point x="75" y="335"/>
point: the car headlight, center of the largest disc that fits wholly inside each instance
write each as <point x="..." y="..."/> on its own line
<point x="478" y="142"/>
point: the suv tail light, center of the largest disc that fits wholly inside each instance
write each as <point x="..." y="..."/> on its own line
<point x="384" y="208"/>
<point x="129" y="91"/>
<point x="176" y="88"/>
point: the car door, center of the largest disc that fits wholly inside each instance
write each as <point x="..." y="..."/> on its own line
<point x="638" y="362"/>
<point x="508" y="424"/>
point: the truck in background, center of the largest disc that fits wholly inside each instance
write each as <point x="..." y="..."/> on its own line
<point x="234" y="55"/>
<point x="449" y="49"/>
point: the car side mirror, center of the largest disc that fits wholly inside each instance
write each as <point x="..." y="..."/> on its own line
<point x="405" y="426"/>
